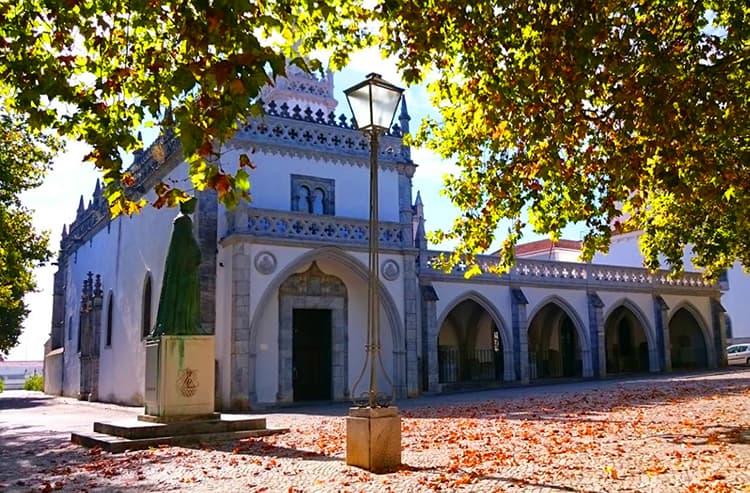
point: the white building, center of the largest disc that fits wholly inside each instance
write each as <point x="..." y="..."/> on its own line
<point x="284" y="283"/>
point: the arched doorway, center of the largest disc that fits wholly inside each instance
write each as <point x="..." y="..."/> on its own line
<point x="313" y="337"/>
<point x="688" y="346"/>
<point x="470" y="346"/>
<point x="554" y="345"/>
<point x="626" y="344"/>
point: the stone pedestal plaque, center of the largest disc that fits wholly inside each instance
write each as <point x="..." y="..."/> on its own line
<point x="180" y="378"/>
<point x="373" y="438"/>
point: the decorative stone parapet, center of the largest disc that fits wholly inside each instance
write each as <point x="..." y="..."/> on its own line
<point x="573" y="273"/>
<point x="295" y="128"/>
<point x="308" y="227"/>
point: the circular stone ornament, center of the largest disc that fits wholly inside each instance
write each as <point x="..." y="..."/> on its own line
<point x="390" y="270"/>
<point x="265" y="263"/>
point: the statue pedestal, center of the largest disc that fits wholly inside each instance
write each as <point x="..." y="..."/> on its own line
<point x="373" y="438"/>
<point x="180" y="378"/>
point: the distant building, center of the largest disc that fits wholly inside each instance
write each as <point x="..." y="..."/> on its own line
<point x="546" y="249"/>
<point x="15" y="373"/>
<point x="284" y="282"/>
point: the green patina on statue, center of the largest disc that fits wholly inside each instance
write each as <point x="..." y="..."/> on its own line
<point x="179" y="301"/>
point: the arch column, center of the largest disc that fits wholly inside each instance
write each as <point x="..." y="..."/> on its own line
<point x="661" y="328"/>
<point x="430" y="369"/>
<point x="519" y="327"/>
<point x="242" y="386"/>
<point x="411" y="325"/>
<point x="718" y="319"/>
<point x="596" y="329"/>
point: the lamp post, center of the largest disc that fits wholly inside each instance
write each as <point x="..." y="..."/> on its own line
<point x="373" y="435"/>
<point x="373" y="103"/>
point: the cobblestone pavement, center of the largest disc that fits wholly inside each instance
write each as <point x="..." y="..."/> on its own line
<point x="656" y="433"/>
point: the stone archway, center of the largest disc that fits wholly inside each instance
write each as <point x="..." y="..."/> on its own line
<point x="555" y="346"/>
<point x="470" y="345"/>
<point x="689" y="349"/>
<point x="626" y="343"/>
<point x="313" y="290"/>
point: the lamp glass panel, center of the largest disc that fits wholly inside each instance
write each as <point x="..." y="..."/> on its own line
<point x="384" y="104"/>
<point x="359" y="100"/>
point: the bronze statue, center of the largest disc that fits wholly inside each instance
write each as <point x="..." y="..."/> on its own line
<point x="179" y="301"/>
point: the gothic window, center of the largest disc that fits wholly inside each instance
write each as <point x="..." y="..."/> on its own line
<point x="80" y="330"/>
<point x="318" y="198"/>
<point x="303" y="199"/>
<point x="70" y="328"/>
<point x="146" y="307"/>
<point x="108" y="333"/>
<point x="313" y="195"/>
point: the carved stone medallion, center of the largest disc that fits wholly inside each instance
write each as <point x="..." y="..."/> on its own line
<point x="265" y="262"/>
<point x="390" y="270"/>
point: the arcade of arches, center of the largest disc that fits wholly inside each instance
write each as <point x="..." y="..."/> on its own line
<point x="470" y="345"/>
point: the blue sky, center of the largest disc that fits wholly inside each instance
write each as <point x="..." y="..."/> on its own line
<point x="55" y="202"/>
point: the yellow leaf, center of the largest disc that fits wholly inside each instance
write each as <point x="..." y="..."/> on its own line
<point x="611" y="472"/>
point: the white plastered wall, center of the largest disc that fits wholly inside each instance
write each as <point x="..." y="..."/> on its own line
<point x="122" y="254"/>
<point x="271" y="183"/>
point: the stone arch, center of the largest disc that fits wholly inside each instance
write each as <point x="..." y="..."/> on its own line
<point x="678" y="351"/>
<point x="313" y="289"/>
<point x="651" y="359"/>
<point x="565" y="311"/>
<point x="361" y="272"/>
<point x="504" y="333"/>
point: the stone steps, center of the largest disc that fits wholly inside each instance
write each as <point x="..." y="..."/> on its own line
<point x="119" y="436"/>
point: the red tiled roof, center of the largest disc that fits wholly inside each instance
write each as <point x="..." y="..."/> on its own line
<point x="17" y="364"/>
<point x="545" y="245"/>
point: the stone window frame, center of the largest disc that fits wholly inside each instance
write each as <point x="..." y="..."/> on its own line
<point x="311" y="183"/>
<point x="147" y="303"/>
<point x="109" y="320"/>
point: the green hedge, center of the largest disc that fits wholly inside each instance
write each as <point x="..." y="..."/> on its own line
<point x="34" y="382"/>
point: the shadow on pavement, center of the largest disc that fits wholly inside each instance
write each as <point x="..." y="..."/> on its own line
<point x="12" y="400"/>
<point x="575" y="402"/>
<point x="261" y="449"/>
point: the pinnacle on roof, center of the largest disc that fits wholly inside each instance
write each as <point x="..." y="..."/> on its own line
<point x="404" y="117"/>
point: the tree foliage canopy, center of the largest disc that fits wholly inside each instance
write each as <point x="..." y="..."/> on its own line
<point x="24" y="158"/>
<point x="97" y="71"/>
<point x="615" y="114"/>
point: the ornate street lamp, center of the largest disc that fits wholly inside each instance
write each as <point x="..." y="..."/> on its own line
<point x="374" y="432"/>
<point x="373" y="103"/>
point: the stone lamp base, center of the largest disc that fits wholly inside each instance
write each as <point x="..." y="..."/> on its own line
<point x="180" y="379"/>
<point x="373" y="438"/>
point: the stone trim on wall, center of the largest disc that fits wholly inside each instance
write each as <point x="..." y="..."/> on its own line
<point x="598" y="337"/>
<point x="661" y="327"/>
<point x="430" y="339"/>
<point x="520" y="330"/>
<point x="206" y="234"/>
